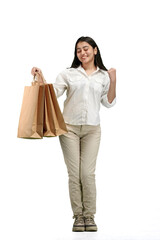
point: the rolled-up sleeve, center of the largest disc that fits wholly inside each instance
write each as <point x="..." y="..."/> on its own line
<point x="104" y="98"/>
<point x="60" y="85"/>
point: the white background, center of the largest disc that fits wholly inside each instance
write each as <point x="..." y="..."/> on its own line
<point x="34" y="198"/>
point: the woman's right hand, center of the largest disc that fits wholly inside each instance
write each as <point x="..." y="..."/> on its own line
<point x="40" y="78"/>
<point x="35" y="70"/>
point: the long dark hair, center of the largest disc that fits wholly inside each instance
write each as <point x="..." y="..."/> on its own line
<point x="97" y="59"/>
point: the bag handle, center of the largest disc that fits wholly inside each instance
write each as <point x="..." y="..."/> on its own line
<point x="39" y="79"/>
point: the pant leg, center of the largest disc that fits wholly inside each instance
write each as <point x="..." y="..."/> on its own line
<point x="70" y="144"/>
<point x="89" y="145"/>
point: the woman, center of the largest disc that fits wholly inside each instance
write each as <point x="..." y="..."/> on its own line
<point x="88" y="83"/>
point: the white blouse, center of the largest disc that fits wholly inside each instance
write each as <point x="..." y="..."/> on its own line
<point x="84" y="94"/>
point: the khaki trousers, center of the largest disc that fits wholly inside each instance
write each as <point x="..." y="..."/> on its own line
<point x="80" y="149"/>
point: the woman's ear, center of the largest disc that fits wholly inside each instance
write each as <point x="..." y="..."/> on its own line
<point x="95" y="50"/>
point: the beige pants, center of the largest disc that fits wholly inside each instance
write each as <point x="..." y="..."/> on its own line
<point x="80" y="148"/>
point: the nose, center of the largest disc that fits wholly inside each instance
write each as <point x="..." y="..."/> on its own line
<point x="83" y="52"/>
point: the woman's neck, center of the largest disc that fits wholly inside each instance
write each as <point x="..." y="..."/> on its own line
<point x="89" y="67"/>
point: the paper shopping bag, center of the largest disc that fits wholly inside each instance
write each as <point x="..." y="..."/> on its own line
<point x="40" y="112"/>
<point x="54" y="124"/>
<point x="32" y="112"/>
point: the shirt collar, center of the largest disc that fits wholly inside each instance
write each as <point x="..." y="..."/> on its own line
<point x="83" y="70"/>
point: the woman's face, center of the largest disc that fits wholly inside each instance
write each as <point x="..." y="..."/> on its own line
<point x="85" y="52"/>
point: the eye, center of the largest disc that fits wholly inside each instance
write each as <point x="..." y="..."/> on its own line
<point x="86" y="48"/>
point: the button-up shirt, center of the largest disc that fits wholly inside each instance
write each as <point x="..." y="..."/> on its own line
<point x="84" y="94"/>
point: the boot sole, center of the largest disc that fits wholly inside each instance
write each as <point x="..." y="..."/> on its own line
<point x="78" y="229"/>
<point x="91" y="229"/>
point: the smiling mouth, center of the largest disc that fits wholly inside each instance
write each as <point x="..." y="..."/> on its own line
<point x="84" y="57"/>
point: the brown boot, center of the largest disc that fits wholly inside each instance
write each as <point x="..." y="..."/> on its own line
<point x="90" y="223"/>
<point x="78" y="225"/>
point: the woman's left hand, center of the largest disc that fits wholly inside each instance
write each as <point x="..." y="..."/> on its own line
<point x="112" y="74"/>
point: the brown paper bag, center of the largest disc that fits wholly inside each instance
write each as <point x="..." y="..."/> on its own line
<point x="54" y="124"/>
<point x="32" y="112"/>
<point x="40" y="112"/>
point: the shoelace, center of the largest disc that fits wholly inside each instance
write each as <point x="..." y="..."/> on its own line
<point x="89" y="219"/>
<point x="78" y="218"/>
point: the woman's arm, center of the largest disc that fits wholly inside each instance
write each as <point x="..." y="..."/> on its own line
<point x="112" y="88"/>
